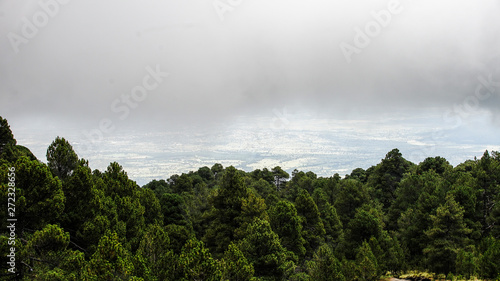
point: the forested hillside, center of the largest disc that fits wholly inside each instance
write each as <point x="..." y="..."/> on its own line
<point x="221" y="223"/>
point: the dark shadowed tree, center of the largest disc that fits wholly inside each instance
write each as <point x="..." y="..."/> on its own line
<point x="228" y="206"/>
<point x="387" y="175"/>
<point x="9" y="151"/>
<point x="61" y="158"/>
<point x="352" y="195"/>
<point x="263" y="249"/>
<point x="447" y="235"/>
<point x="313" y="229"/>
<point x="6" y="136"/>
<point x="280" y="176"/>
<point x="438" y="164"/>
<point x="287" y="224"/>
<point x="39" y="195"/>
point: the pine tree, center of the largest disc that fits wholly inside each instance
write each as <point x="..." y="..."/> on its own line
<point x="490" y="261"/>
<point x="49" y="256"/>
<point x="227" y="207"/>
<point x="196" y="263"/>
<point x="352" y="195"/>
<point x="313" y="229"/>
<point x="447" y="235"/>
<point x="154" y="250"/>
<point x="111" y="261"/>
<point x="263" y="249"/>
<point x="61" y="158"/>
<point x="235" y="266"/>
<point x="329" y="217"/>
<point x="252" y="207"/>
<point x="366" y="264"/>
<point x="367" y="222"/>
<point x="286" y="223"/>
<point x="467" y="262"/>
<point x="325" y="266"/>
<point x="39" y="195"/>
<point x="387" y="175"/>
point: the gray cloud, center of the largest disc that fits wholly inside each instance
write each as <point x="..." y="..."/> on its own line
<point x="264" y="55"/>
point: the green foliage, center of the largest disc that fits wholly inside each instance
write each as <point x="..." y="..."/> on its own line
<point x="387" y="175"/>
<point x="263" y="249"/>
<point x="217" y="168"/>
<point x="235" y="265"/>
<point x="490" y="261"/>
<point x="467" y="262"/>
<point x="159" y="187"/>
<point x="325" y="266"/>
<point x="333" y="226"/>
<point x="252" y="208"/>
<point x="264" y="175"/>
<point x="196" y="263"/>
<point x="393" y="256"/>
<point x="83" y="204"/>
<point x="227" y="207"/>
<point x="264" y="188"/>
<point x="487" y="173"/>
<point x="9" y="150"/>
<point x="6" y="136"/>
<point x="111" y="261"/>
<point x="280" y="176"/>
<point x="39" y="196"/>
<point x="154" y="251"/>
<point x="206" y="174"/>
<point x="152" y="208"/>
<point x="413" y="222"/>
<point x="172" y="208"/>
<point x="49" y="257"/>
<point x="50" y="239"/>
<point x="61" y="158"/>
<point x="179" y="235"/>
<point x="438" y="164"/>
<point x="358" y="174"/>
<point x="117" y="182"/>
<point x="313" y="229"/>
<point x="287" y="224"/>
<point x="77" y="224"/>
<point x="447" y="235"/>
<point x="199" y="209"/>
<point x="367" y="222"/>
<point x="366" y="268"/>
<point x="352" y="195"/>
<point x="183" y="183"/>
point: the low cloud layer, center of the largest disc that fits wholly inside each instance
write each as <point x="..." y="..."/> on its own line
<point x="246" y="58"/>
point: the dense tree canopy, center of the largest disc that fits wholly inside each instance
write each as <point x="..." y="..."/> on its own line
<point x="222" y="223"/>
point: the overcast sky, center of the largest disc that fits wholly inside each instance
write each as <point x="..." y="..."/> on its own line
<point x="78" y="65"/>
